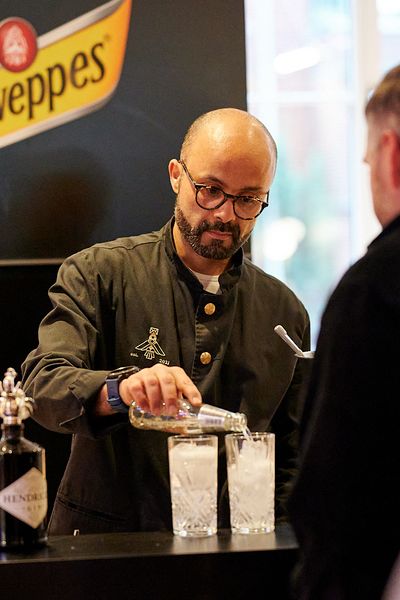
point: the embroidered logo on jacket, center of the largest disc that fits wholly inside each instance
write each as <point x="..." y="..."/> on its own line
<point x="151" y="347"/>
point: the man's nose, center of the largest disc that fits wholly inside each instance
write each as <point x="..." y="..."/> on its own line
<point x="225" y="212"/>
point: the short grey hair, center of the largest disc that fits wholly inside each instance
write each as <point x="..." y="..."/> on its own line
<point x="385" y="99"/>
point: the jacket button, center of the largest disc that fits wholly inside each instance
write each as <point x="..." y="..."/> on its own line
<point x="209" y="308"/>
<point x="205" y="358"/>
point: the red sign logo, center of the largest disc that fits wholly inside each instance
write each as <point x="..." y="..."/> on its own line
<point x="18" y="46"/>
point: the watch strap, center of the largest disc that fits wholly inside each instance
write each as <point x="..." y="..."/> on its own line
<point x="113" y="380"/>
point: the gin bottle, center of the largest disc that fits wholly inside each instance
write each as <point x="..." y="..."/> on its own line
<point x="189" y="419"/>
<point x="23" y="488"/>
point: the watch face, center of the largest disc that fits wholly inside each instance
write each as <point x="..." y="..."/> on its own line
<point x="119" y="373"/>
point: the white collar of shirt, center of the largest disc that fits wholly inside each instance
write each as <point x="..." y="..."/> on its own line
<point x="210" y="283"/>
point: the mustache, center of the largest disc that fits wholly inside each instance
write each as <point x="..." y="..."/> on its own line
<point x="232" y="228"/>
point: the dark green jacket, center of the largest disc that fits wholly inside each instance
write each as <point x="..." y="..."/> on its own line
<point x="106" y="299"/>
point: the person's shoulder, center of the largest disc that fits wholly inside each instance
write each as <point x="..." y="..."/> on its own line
<point x="127" y="243"/>
<point x="261" y="277"/>
<point x="373" y="279"/>
<point x="380" y="262"/>
<point x="117" y="248"/>
<point x="265" y="282"/>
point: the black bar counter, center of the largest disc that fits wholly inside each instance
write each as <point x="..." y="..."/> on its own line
<point x="153" y="566"/>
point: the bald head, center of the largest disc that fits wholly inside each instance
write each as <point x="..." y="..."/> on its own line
<point x="227" y="125"/>
<point x="228" y="152"/>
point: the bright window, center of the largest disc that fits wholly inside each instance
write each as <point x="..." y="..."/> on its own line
<point x="310" y="66"/>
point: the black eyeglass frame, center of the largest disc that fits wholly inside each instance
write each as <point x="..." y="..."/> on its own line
<point x="201" y="186"/>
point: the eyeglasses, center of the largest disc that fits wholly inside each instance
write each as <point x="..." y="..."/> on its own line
<point x="211" y="197"/>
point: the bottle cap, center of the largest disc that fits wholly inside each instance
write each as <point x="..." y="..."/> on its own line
<point x="14" y="405"/>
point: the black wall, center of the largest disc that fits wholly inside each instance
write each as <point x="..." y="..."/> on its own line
<point x="24" y="301"/>
<point x="105" y="175"/>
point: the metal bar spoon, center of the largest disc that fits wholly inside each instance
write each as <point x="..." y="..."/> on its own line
<point x="281" y="331"/>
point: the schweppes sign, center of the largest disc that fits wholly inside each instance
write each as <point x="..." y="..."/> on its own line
<point x="62" y="75"/>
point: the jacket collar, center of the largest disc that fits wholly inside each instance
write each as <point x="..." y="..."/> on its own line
<point x="391" y="227"/>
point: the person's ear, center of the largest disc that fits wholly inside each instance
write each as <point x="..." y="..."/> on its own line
<point x="391" y="149"/>
<point x="175" y="171"/>
<point x="396" y="162"/>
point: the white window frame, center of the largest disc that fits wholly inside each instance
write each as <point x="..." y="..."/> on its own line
<point x="262" y="96"/>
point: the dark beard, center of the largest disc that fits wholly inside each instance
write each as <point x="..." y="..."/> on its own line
<point x="215" y="250"/>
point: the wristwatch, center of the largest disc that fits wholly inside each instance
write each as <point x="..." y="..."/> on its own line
<point x="112" y="381"/>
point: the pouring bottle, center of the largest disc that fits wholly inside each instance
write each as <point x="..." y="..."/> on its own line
<point x="189" y="419"/>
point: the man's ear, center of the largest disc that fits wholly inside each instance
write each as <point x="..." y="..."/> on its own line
<point x="396" y="162"/>
<point x="391" y="148"/>
<point x="175" y="171"/>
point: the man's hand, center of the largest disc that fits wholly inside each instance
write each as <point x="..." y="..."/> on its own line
<point x="158" y="388"/>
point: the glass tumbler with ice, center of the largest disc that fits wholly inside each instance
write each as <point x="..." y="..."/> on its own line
<point x="193" y="478"/>
<point x="251" y="482"/>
